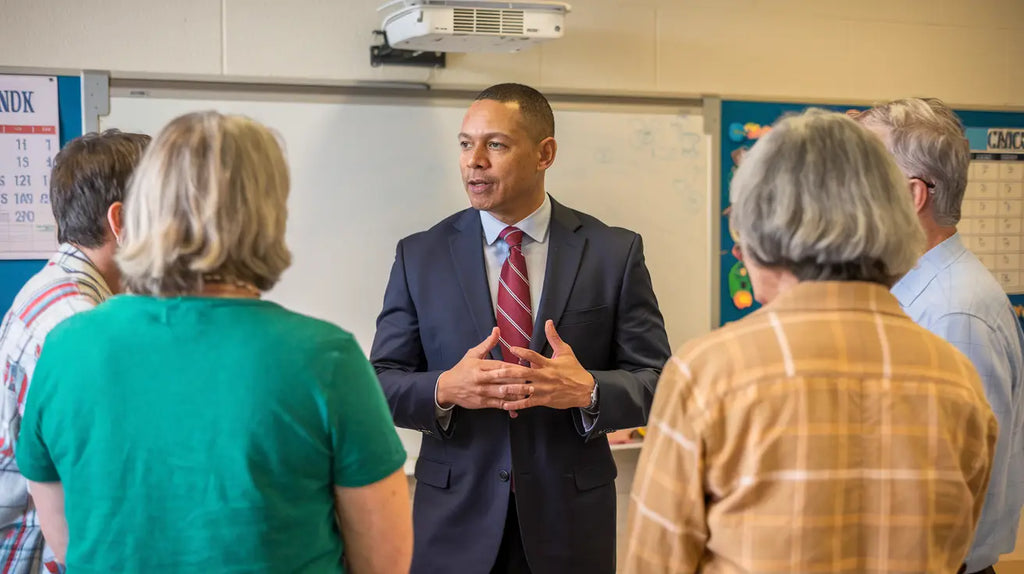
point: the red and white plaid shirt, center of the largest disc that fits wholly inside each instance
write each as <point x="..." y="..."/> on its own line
<point x="68" y="284"/>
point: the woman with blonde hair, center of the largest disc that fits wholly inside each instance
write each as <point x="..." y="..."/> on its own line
<point x="193" y="427"/>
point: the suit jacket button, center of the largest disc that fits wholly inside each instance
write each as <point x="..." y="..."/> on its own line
<point x="503" y="475"/>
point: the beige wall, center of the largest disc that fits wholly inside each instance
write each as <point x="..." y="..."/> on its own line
<point x="966" y="51"/>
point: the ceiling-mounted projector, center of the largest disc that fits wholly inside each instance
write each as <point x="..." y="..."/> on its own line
<point x="471" y="25"/>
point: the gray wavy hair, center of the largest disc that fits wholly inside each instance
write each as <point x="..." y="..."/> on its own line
<point x="927" y="140"/>
<point x="820" y="196"/>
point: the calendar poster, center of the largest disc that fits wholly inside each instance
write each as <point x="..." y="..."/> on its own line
<point x="29" y="140"/>
<point x="993" y="209"/>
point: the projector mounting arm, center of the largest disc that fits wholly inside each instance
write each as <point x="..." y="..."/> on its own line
<point x="384" y="54"/>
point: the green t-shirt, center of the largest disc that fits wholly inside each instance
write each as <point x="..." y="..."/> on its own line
<point x="204" y="435"/>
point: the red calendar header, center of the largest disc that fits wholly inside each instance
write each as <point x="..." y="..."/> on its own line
<point x="48" y="130"/>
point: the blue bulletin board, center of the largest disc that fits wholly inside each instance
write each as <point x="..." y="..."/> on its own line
<point x="744" y="122"/>
<point x="14" y="273"/>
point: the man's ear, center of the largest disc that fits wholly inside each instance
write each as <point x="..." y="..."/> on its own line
<point x="115" y="220"/>
<point x="919" y="194"/>
<point x="548" y="149"/>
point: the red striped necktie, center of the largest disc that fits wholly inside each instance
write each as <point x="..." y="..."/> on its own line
<point x="514" y="317"/>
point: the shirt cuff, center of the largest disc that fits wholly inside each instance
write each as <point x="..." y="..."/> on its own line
<point x="589" y="415"/>
<point x="443" y="415"/>
<point x="588" y="420"/>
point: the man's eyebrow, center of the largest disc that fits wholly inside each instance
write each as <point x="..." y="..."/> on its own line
<point x="488" y="135"/>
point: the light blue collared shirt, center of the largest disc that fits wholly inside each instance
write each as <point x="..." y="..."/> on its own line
<point x="535" y="229"/>
<point x="952" y="294"/>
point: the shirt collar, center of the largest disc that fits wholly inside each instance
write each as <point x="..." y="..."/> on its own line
<point x="72" y="260"/>
<point x="836" y="296"/>
<point x="908" y="288"/>
<point x="535" y="226"/>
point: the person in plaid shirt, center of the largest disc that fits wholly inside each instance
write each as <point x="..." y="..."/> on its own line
<point x="826" y="432"/>
<point x="86" y="190"/>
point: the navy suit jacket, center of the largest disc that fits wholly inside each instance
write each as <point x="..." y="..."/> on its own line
<point x="437" y="305"/>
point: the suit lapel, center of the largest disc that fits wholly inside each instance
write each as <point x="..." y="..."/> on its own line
<point x="471" y="271"/>
<point x="564" y="255"/>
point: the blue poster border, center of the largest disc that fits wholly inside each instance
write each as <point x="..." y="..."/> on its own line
<point x="741" y="124"/>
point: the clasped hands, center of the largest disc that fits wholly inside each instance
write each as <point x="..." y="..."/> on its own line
<point x="477" y="382"/>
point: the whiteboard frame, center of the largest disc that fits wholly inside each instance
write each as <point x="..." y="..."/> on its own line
<point x="396" y="92"/>
<point x="713" y="129"/>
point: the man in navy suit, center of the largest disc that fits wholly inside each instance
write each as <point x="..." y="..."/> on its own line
<point x="515" y="473"/>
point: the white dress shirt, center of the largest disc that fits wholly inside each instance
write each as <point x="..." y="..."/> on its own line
<point x="535" y="228"/>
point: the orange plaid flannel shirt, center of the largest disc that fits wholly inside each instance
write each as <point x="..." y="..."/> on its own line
<point x="825" y="433"/>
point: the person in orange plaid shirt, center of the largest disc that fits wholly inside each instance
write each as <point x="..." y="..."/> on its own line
<point x="826" y="432"/>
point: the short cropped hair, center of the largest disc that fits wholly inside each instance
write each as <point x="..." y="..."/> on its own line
<point x="89" y="175"/>
<point x="534" y="107"/>
<point x="209" y="198"/>
<point x="820" y="197"/>
<point x="927" y="139"/>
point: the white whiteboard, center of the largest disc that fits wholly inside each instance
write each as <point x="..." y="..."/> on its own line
<point x="367" y="173"/>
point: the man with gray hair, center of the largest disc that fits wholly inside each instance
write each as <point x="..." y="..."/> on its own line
<point x="952" y="294"/>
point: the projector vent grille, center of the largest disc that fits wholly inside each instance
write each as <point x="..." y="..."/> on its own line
<point x="485" y="21"/>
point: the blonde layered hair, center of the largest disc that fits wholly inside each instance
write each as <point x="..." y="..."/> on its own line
<point x="820" y="197"/>
<point x="208" y="198"/>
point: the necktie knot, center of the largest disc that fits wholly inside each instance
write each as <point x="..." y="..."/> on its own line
<point x="512" y="235"/>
